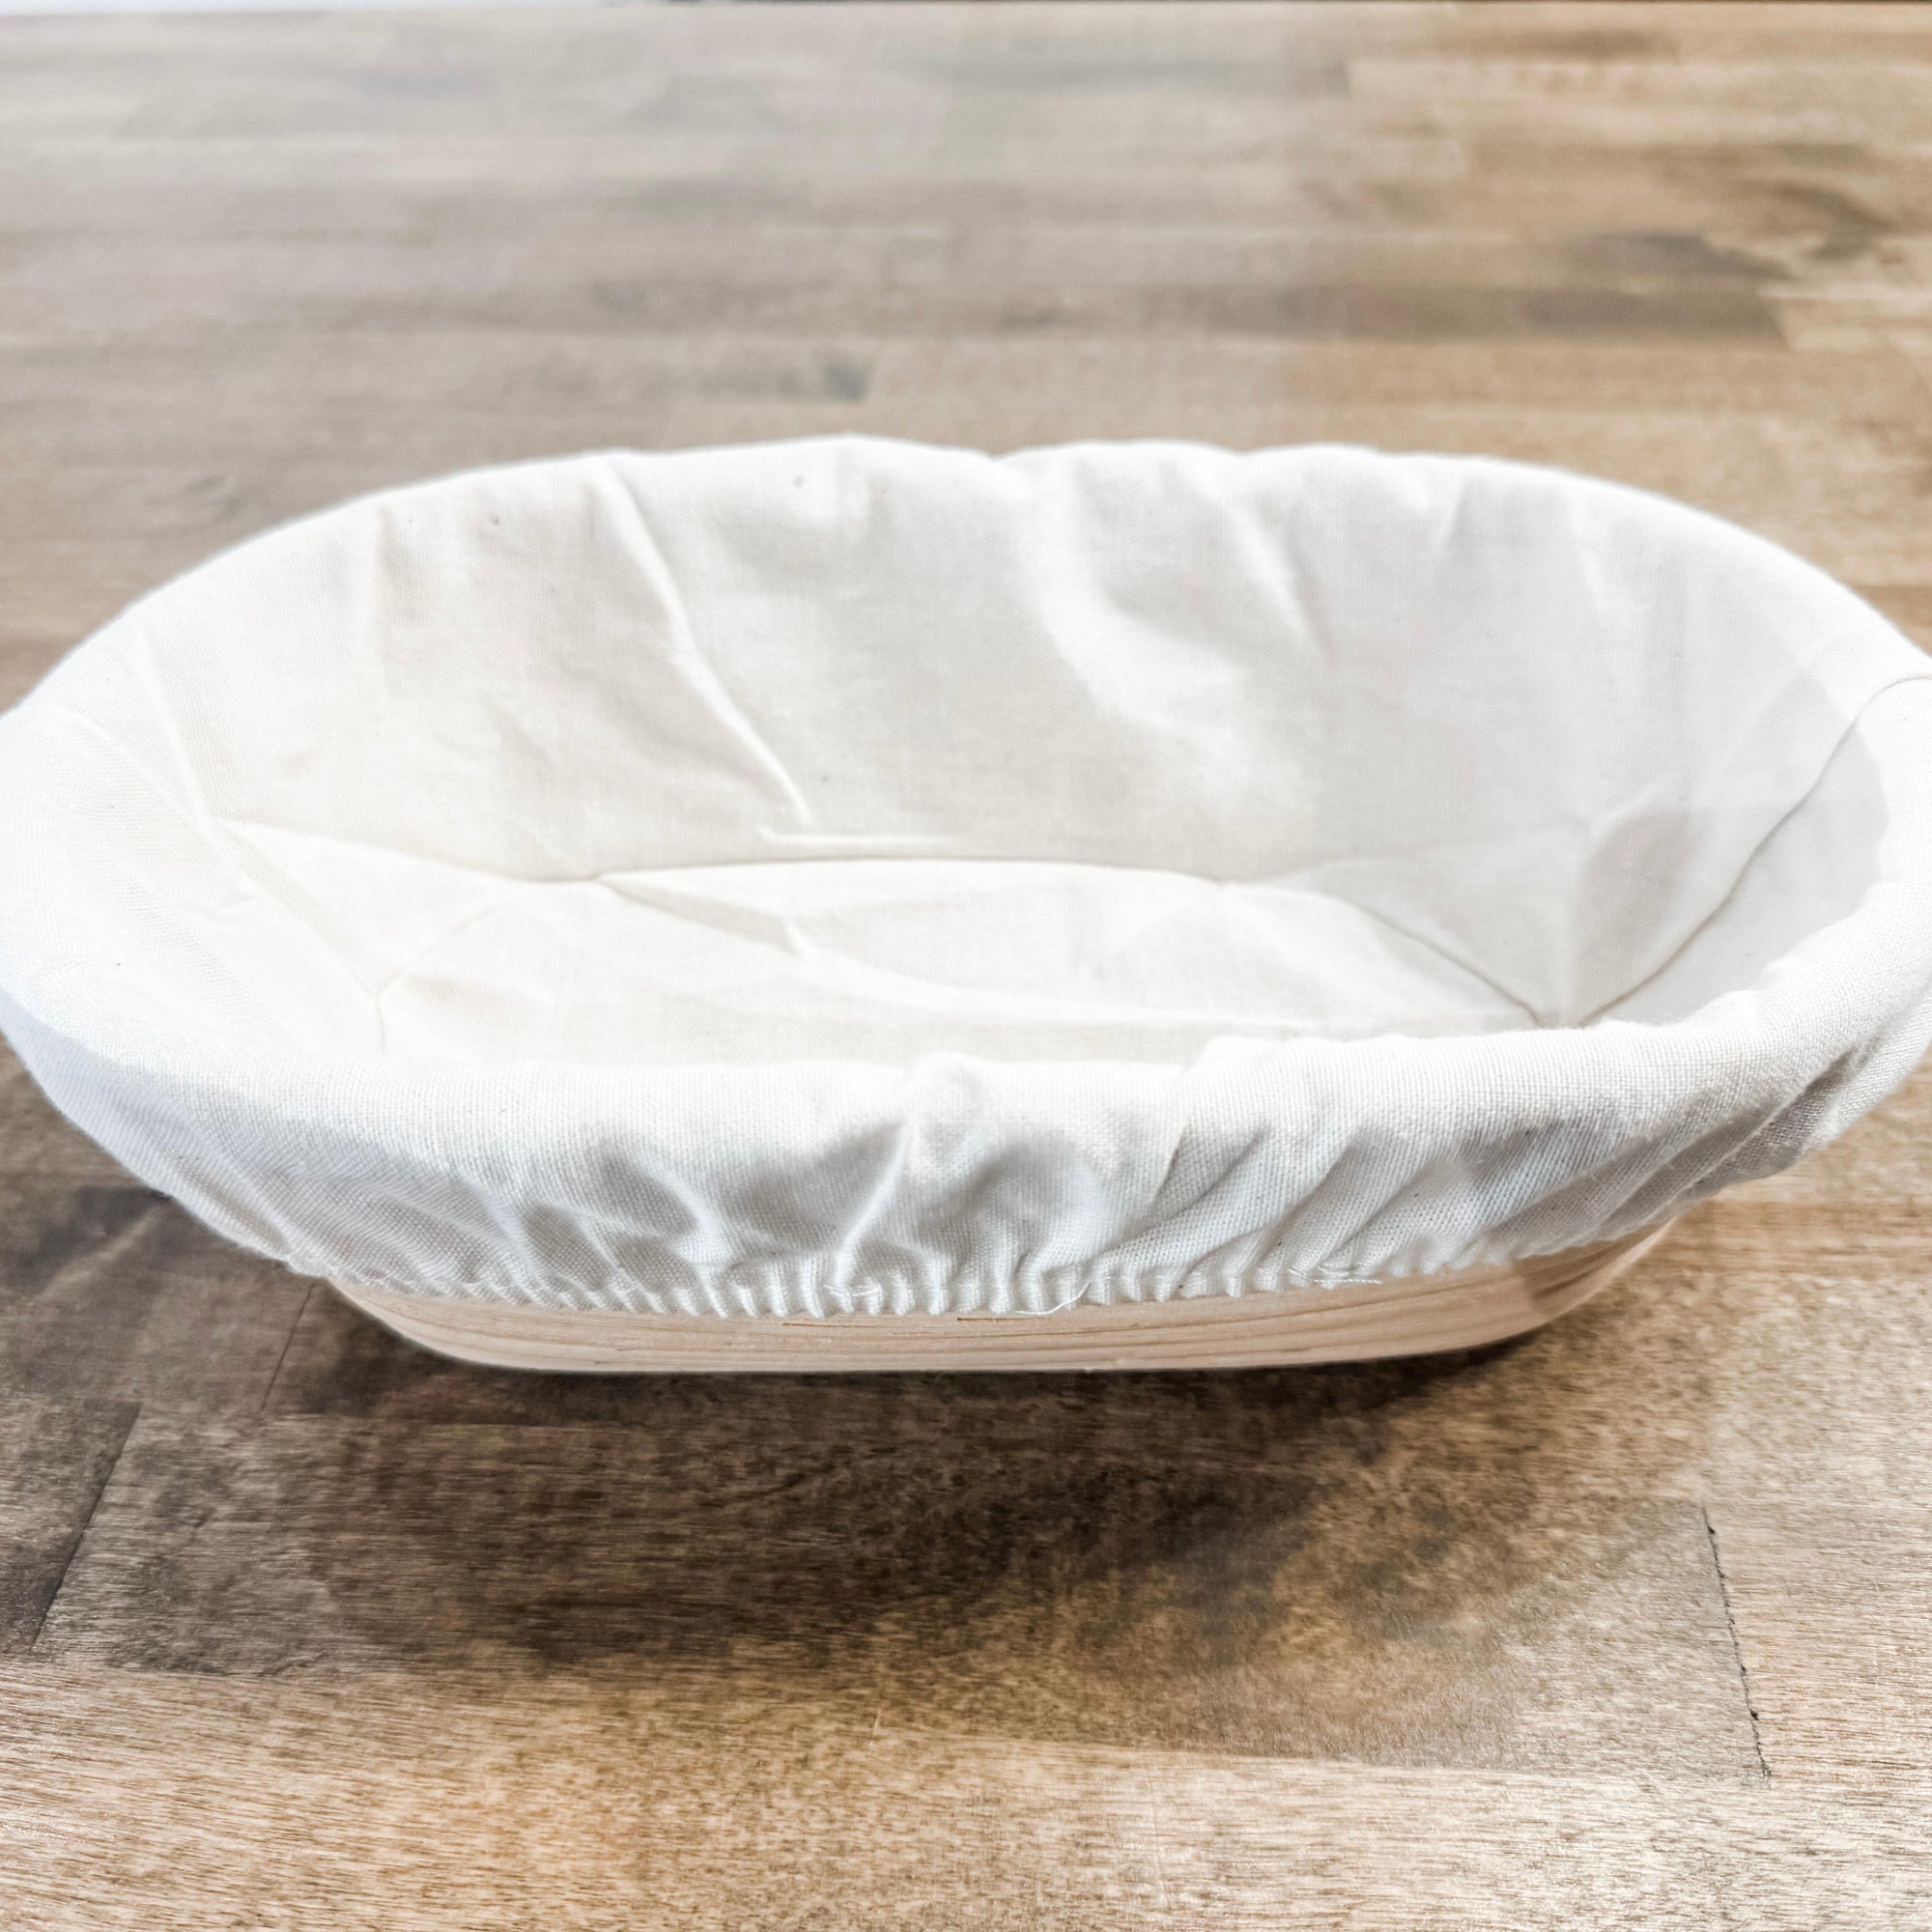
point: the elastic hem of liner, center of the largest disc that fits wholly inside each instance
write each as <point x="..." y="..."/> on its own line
<point x="791" y="1295"/>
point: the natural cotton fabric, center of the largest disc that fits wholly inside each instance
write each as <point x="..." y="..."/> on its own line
<point x="848" y="875"/>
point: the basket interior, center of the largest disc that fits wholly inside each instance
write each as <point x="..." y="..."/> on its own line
<point x="853" y="749"/>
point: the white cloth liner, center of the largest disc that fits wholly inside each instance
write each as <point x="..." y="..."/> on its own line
<point x="851" y="875"/>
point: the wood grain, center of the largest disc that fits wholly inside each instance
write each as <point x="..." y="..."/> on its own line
<point x="140" y="1799"/>
<point x="1622" y="1625"/>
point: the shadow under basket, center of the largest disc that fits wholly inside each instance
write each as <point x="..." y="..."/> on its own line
<point x="636" y="910"/>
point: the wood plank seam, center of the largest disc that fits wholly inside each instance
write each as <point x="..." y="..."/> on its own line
<point x="1736" y="1648"/>
<point x="73" y="1549"/>
<point x="288" y="1342"/>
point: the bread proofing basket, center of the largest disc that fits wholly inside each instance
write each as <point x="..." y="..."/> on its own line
<point x="849" y="903"/>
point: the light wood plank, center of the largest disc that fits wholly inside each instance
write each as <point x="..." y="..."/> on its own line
<point x="130" y="1800"/>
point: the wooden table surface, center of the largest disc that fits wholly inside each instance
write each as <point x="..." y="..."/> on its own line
<point x="1627" y="1625"/>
